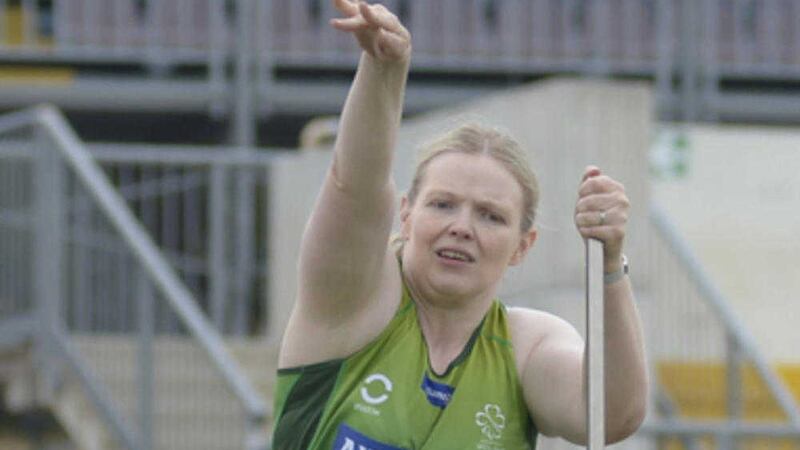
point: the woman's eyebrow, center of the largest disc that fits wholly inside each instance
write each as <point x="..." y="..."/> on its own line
<point x="439" y="192"/>
<point x="491" y="204"/>
<point x="483" y="203"/>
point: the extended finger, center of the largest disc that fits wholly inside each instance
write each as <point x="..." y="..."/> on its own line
<point x="346" y="7"/>
<point x="379" y="16"/>
<point x="354" y="23"/>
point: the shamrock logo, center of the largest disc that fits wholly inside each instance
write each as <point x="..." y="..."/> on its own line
<point x="491" y="421"/>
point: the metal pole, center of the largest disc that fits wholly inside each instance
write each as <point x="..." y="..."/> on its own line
<point x="711" y="59"/>
<point x="733" y="390"/>
<point x="218" y="269"/>
<point x="245" y="137"/>
<point x="217" y="55"/>
<point x="600" y="62"/>
<point x="667" y="105"/>
<point x="146" y="372"/>
<point x="243" y="118"/>
<point x="667" y="407"/>
<point x="689" y="55"/>
<point x="244" y="248"/>
<point x="595" y="346"/>
<point x="48" y="282"/>
<point x="265" y="45"/>
<point x="29" y="23"/>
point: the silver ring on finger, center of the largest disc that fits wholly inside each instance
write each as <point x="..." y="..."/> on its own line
<point x="602" y="219"/>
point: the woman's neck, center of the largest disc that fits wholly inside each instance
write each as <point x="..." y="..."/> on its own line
<point x="446" y="325"/>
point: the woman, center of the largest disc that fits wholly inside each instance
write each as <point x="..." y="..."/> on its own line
<point x="405" y="346"/>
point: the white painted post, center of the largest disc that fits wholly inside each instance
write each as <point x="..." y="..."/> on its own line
<point x="595" y="348"/>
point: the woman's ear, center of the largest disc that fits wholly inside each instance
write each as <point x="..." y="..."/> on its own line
<point x="525" y="244"/>
<point x="405" y="211"/>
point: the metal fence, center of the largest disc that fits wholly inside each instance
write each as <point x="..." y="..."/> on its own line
<point x="206" y="209"/>
<point x="714" y="389"/>
<point x="688" y="48"/>
<point x="110" y="316"/>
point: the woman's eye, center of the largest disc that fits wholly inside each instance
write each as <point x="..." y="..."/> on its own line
<point x="440" y="204"/>
<point x="494" y="217"/>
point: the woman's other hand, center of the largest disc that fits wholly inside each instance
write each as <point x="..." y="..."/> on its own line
<point x="601" y="212"/>
<point x="378" y="31"/>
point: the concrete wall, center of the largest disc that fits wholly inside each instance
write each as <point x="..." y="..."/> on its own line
<point x="737" y="208"/>
<point x="564" y="124"/>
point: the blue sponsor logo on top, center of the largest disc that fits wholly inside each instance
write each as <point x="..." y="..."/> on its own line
<point x="350" y="439"/>
<point x="438" y="394"/>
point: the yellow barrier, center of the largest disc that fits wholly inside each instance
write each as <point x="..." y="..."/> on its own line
<point x="25" y="75"/>
<point x="699" y="391"/>
<point x="706" y="443"/>
<point x="13" y="25"/>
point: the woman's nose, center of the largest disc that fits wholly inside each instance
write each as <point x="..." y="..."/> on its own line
<point x="461" y="227"/>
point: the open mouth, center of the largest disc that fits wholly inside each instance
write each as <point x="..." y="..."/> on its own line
<point x="455" y="255"/>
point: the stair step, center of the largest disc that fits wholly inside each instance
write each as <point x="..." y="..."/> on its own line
<point x="79" y="418"/>
<point x="193" y="406"/>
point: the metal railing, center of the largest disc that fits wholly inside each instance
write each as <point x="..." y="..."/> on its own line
<point x="206" y="209"/>
<point x="747" y="36"/>
<point x="688" y="48"/>
<point x="161" y="33"/>
<point x="711" y="380"/>
<point x="60" y="223"/>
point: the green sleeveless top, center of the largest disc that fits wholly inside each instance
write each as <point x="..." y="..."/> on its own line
<point x="387" y="397"/>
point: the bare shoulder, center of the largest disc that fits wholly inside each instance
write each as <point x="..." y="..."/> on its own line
<point x="530" y="328"/>
<point x="527" y="323"/>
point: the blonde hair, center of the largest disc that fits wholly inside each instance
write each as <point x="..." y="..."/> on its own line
<point x="474" y="139"/>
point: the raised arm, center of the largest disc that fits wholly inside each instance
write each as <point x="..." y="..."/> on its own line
<point x="373" y="109"/>
<point x="553" y="367"/>
<point x="344" y="258"/>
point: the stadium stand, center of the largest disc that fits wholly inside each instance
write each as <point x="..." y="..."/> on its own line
<point x="246" y="60"/>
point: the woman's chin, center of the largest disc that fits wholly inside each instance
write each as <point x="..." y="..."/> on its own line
<point x="455" y="289"/>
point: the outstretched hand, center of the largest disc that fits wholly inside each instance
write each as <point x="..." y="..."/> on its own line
<point x="378" y="31"/>
<point x="601" y="212"/>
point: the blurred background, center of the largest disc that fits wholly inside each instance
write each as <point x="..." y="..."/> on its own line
<point x="158" y="159"/>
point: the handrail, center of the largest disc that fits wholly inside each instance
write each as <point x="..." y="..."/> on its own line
<point x="115" y="153"/>
<point x="16" y="331"/>
<point x="717" y="301"/>
<point x="143" y="248"/>
<point x="17" y="119"/>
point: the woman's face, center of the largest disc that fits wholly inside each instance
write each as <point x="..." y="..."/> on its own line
<point x="463" y="229"/>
